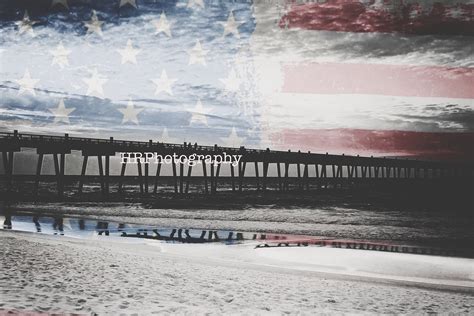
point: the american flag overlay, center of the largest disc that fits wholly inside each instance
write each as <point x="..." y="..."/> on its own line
<point x="369" y="77"/>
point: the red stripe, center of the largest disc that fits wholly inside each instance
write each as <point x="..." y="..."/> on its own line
<point x="333" y="78"/>
<point x="448" y="146"/>
<point x="354" y="16"/>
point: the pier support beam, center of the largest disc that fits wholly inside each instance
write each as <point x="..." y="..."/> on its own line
<point x="59" y="172"/>
<point x="339" y="171"/>
<point x="157" y="175"/>
<point x="122" y="175"/>
<point x="175" y="176"/>
<point x="389" y="171"/>
<point x="242" y="166"/>
<point x="257" y="176"/>
<point x="232" y="175"/>
<point x="83" y="172"/>
<point x="306" y="176"/>
<point x="324" y="174"/>
<point x="8" y="167"/>
<point x="349" y="171"/>
<point x="212" y="177"/>
<point x="104" y="173"/>
<point x="280" y="186"/>
<point x="218" y="171"/>
<point x="101" y="173"/>
<point x="39" y="166"/>
<point x="298" y="172"/>
<point x="316" y="170"/>
<point x="265" y="173"/>
<point x="140" y="176"/>
<point x="147" y="170"/>
<point x="188" y="177"/>
<point x="107" y="175"/>
<point x="62" y="165"/>
<point x="204" y="173"/>
<point x="181" y="178"/>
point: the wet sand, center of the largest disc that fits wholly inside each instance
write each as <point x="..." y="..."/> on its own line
<point x="395" y="225"/>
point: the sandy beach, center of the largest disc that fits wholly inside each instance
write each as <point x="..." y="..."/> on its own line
<point x="59" y="274"/>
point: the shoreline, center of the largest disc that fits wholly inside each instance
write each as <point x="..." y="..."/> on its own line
<point x="76" y="224"/>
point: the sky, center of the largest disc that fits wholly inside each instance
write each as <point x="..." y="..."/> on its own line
<point x="354" y="77"/>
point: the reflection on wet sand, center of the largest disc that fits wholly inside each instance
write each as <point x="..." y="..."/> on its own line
<point x="121" y="226"/>
<point x="187" y="238"/>
<point x="82" y="225"/>
<point x="7" y="223"/>
<point x="86" y="228"/>
<point x="58" y="225"/>
<point x="37" y="224"/>
<point x="103" y="227"/>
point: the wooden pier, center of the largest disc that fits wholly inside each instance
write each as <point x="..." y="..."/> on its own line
<point x="311" y="171"/>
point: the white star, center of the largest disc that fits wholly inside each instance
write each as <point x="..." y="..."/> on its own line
<point x="231" y="26"/>
<point x="94" y="25"/>
<point x="233" y="140"/>
<point x="232" y="82"/>
<point x="195" y="3"/>
<point x="199" y="114"/>
<point x="130" y="113"/>
<point x="197" y="54"/>
<point x="129" y="54"/>
<point x="26" y="25"/>
<point x="133" y="3"/>
<point x="95" y="83"/>
<point x="163" y="83"/>
<point x="62" y="2"/>
<point x="162" y="25"/>
<point x="60" y="56"/>
<point x="61" y="113"/>
<point x="27" y="84"/>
